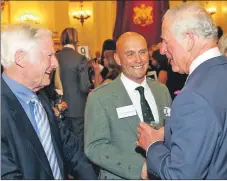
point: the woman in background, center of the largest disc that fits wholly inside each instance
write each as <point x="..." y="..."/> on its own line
<point x="113" y="69"/>
<point x="108" y="44"/>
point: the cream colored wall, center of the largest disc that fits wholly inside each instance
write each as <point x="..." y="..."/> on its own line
<point x="104" y="18"/>
<point x="5" y="15"/>
<point x="85" y="33"/>
<point x="97" y="28"/>
<point x="61" y="19"/>
<point x="57" y="15"/>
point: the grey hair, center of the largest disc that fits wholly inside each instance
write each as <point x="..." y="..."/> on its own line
<point x="21" y="36"/>
<point x="222" y="44"/>
<point x="193" y="18"/>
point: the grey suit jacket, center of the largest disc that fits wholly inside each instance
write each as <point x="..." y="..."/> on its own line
<point x="195" y="144"/>
<point x="110" y="141"/>
<point x="75" y="80"/>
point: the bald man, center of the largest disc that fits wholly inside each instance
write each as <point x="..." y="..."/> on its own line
<point x="113" y="112"/>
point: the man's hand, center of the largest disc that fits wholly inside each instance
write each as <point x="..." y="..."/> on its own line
<point x="147" y="135"/>
<point x="144" y="174"/>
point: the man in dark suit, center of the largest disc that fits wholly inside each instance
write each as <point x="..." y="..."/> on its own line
<point x="193" y="145"/>
<point x="33" y="145"/>
<point x="75" y="80"/>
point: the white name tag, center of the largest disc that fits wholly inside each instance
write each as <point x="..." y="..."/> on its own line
<point x="126" y="111"/>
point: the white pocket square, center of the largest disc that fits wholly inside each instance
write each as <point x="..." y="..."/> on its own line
<point x="167" y="111"/>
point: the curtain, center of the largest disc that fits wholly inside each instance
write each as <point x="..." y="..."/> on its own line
<point x="143" y="17"/>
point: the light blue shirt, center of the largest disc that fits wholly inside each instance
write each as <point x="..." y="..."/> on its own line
<point x="24" y="95"/>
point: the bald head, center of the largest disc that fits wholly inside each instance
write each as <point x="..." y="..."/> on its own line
<point x="127" y="37"/>
<point x="132" y="56"/>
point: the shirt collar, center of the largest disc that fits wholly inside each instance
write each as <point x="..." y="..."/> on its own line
<point x="131" y="85"/>
<point x="21" y="92"/>
<point x="69" y="46"/>
<point x="211" y="53"/>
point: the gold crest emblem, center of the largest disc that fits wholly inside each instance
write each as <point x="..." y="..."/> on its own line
<point x="142" y="15"/>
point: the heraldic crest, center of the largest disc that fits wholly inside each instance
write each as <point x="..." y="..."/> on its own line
<point x="142" y="15"/>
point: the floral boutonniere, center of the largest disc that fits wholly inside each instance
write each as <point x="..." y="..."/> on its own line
<point x="177" y="92"/>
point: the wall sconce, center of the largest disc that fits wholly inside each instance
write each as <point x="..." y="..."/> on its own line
<point x="27" y="17"/>
<point x="81" y="14"/>
<point x="211" y="10"/>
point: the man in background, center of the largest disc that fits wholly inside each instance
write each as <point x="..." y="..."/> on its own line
<point x="194" y="144"/>
<point x="75" y="80"/>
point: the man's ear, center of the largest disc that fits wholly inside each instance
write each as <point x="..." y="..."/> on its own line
<point x="190" y="41"/>
<point x="117" y="59"/>
<point x="20" y="58"/>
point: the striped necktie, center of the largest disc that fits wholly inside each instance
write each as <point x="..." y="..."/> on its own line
<point x="45" y="137"/>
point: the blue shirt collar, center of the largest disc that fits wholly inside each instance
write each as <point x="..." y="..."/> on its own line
<point x="21" y="92"/>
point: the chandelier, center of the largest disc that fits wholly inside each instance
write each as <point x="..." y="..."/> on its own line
<point x="81" y="14"/>
<point x="27" y="17"/>
<point x="210" y="10"/>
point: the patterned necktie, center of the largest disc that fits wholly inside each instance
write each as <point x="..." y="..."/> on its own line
<point x="146" y="110"/>
<point x="45" y="137"/>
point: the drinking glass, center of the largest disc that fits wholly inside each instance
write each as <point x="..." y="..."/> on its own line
<point x="155" y="125"/>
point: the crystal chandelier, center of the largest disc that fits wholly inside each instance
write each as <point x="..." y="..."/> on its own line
<point x="82" y="14"/>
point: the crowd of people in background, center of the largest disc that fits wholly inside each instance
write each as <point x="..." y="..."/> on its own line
<point x="64" y="116"/>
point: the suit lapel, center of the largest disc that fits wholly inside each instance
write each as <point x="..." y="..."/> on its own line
<point x="27" y="131"/>
<point x="121" y="99"/>
<point x="25" y="128"/>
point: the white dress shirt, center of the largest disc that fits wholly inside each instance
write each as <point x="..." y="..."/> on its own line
<point x="211" y="53"/>
<point x="134" y="95"/>
<point x="69" y="46"/>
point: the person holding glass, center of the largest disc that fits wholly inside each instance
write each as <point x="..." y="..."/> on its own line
<point x="114" y="110"/>
<point x="193" y="144"/>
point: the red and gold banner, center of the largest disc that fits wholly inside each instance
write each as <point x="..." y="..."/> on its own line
<point x="144" y="17"/>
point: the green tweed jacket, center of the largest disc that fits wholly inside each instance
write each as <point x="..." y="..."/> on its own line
<point x="110" y="141"/>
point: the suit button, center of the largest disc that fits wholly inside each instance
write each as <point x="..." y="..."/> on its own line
<point x="129" y="167"/>
<point x="118" y="163"/>
<point x="105" y="177"/>
<point x="107" y="157"/>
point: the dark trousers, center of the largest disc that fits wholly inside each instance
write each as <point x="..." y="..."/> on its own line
<point x="76" y="125"/>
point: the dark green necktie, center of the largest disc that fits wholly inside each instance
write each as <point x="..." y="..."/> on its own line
<point x="146" y="110"/>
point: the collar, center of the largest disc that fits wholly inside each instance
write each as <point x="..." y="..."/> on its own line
<point x="21" y="92"/>
<point x="131" y="85"/>
<point x="69" y="46"/>
<point x="211" y="53"/>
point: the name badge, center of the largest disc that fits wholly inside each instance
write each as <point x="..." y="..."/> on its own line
<point x="126" y="111"/>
